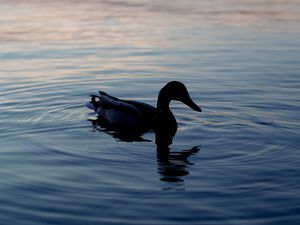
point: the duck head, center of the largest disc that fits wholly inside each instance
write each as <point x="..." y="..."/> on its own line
<point x="177" y="91"/>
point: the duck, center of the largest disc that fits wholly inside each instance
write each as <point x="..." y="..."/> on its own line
<point x="139" y="117"/>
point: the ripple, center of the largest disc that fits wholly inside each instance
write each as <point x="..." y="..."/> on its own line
<point x="237" y="162"/>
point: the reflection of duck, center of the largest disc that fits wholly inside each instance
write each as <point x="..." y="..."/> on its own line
<point x="138" y="117"/>
<point x="172" y="166"/>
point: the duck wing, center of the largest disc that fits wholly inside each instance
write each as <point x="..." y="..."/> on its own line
<point x="129" y="106"/>
<point x="121" y="112"/>
<point x="142" y="107"/>
<point x="108" y="102"/>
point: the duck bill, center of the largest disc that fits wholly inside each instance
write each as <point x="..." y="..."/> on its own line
<point x="189" y="102"/>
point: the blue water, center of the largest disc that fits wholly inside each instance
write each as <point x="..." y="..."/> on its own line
<point x="237" y="162"/>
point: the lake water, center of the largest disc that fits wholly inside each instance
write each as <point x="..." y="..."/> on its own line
<point x="237" y="162"/>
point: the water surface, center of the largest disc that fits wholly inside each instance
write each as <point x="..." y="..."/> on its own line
<point x="234" y="163"/>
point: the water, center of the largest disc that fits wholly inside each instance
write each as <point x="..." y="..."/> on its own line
<point x="237" y="162"/>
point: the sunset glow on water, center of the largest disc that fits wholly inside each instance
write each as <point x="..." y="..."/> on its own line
<point x="236" y="162"/>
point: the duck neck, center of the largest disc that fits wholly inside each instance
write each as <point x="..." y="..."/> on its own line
<point x="163" y="101"/>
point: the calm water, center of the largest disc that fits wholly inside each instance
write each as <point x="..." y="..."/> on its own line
<point x="237" y="162"/>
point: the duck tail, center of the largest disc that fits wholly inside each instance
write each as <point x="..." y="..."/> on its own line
<point x="93" y="104"/>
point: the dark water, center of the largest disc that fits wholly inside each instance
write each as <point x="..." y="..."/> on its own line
<point x="237" y="162"/>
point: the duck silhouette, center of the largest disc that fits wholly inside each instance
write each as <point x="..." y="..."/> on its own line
<point x="127" y="116"/>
